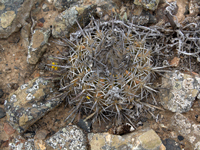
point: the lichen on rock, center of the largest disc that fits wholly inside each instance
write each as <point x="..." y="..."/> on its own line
<point x="38" y="45"/>
<point x="28" y="104"/>
<point x="178" y="91"/>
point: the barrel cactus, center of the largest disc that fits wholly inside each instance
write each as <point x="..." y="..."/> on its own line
<point x="106" y="70"/>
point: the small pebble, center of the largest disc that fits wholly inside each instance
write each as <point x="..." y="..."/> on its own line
<point x="37" y="4"/>
<point x="85" y="125"/>
<point x="42" y="20"/>
<point x="2" y="113"/>
<point x="45" y="8"/>
<point x="180" y="138"/>
<point x="143" y="119"/>
<point x="16" y="67"/>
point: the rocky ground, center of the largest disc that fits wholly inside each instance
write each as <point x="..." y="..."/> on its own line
<point x="31" y="119"/>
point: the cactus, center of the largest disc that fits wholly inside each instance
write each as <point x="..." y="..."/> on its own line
<point x="107" y="69"/>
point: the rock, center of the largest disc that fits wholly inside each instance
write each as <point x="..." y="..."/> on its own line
<point x="150" y="4"/>
<point x="99" y="12"/>
<point x="29" y="103"/>
<point x="182" y="5"/>
<point x="42" y="20"/>
<point x="194" y="7"/>
<point x="180" y="138"/>
<point x="7" y="18"/>
<point x="19" y="143"/>
<point x="171" y="144"/>
<point x="13" y="15"/>
<point x="65" y="23"/>
<point x="41" y="134"/>
<point x="70" y="137"/>
<point x="38" y="45"/>
<point x="178" y="91"/>
<point x="25" y="34"/>
<point x="85" y="125"/>
<point x="39" y="145"/>
<point x="61" y="5"/>
<point x="145" y="139"/>
<point x="2" y="113"/>
<point x="108" y="7"/>
<point x="1" y="93"/>
<point x="188" y="129"/>
<point x="8" y="129"/>
<point x="45" y="8"/>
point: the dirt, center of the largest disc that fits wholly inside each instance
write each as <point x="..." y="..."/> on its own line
<point x="15" y="71"/>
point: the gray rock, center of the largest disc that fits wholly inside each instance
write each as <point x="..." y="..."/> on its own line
<point x="171" y="144"/>
<point x="25" y="34"/>
<point x="85" y="125"/>
<point x="70" y="137"/>
<point x="178" y="91"/>
<point x="188" y="129"/>
<point x="194" y="7"/>
<point x="149" y="4"/>
<point x="65" y="23"/>
<point x="20" y="143"/>
<point x="145" y="139"/>
<point x="45" y="8"/>
<point x="2" y="113"/>
<point x="38" y="45"/>
<point x="61" y="5"/>
<point x="13" y="15"/>
<point x="29" y="103"/>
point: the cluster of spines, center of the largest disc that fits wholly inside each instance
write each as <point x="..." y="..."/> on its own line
<point x="108" y="71"/>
